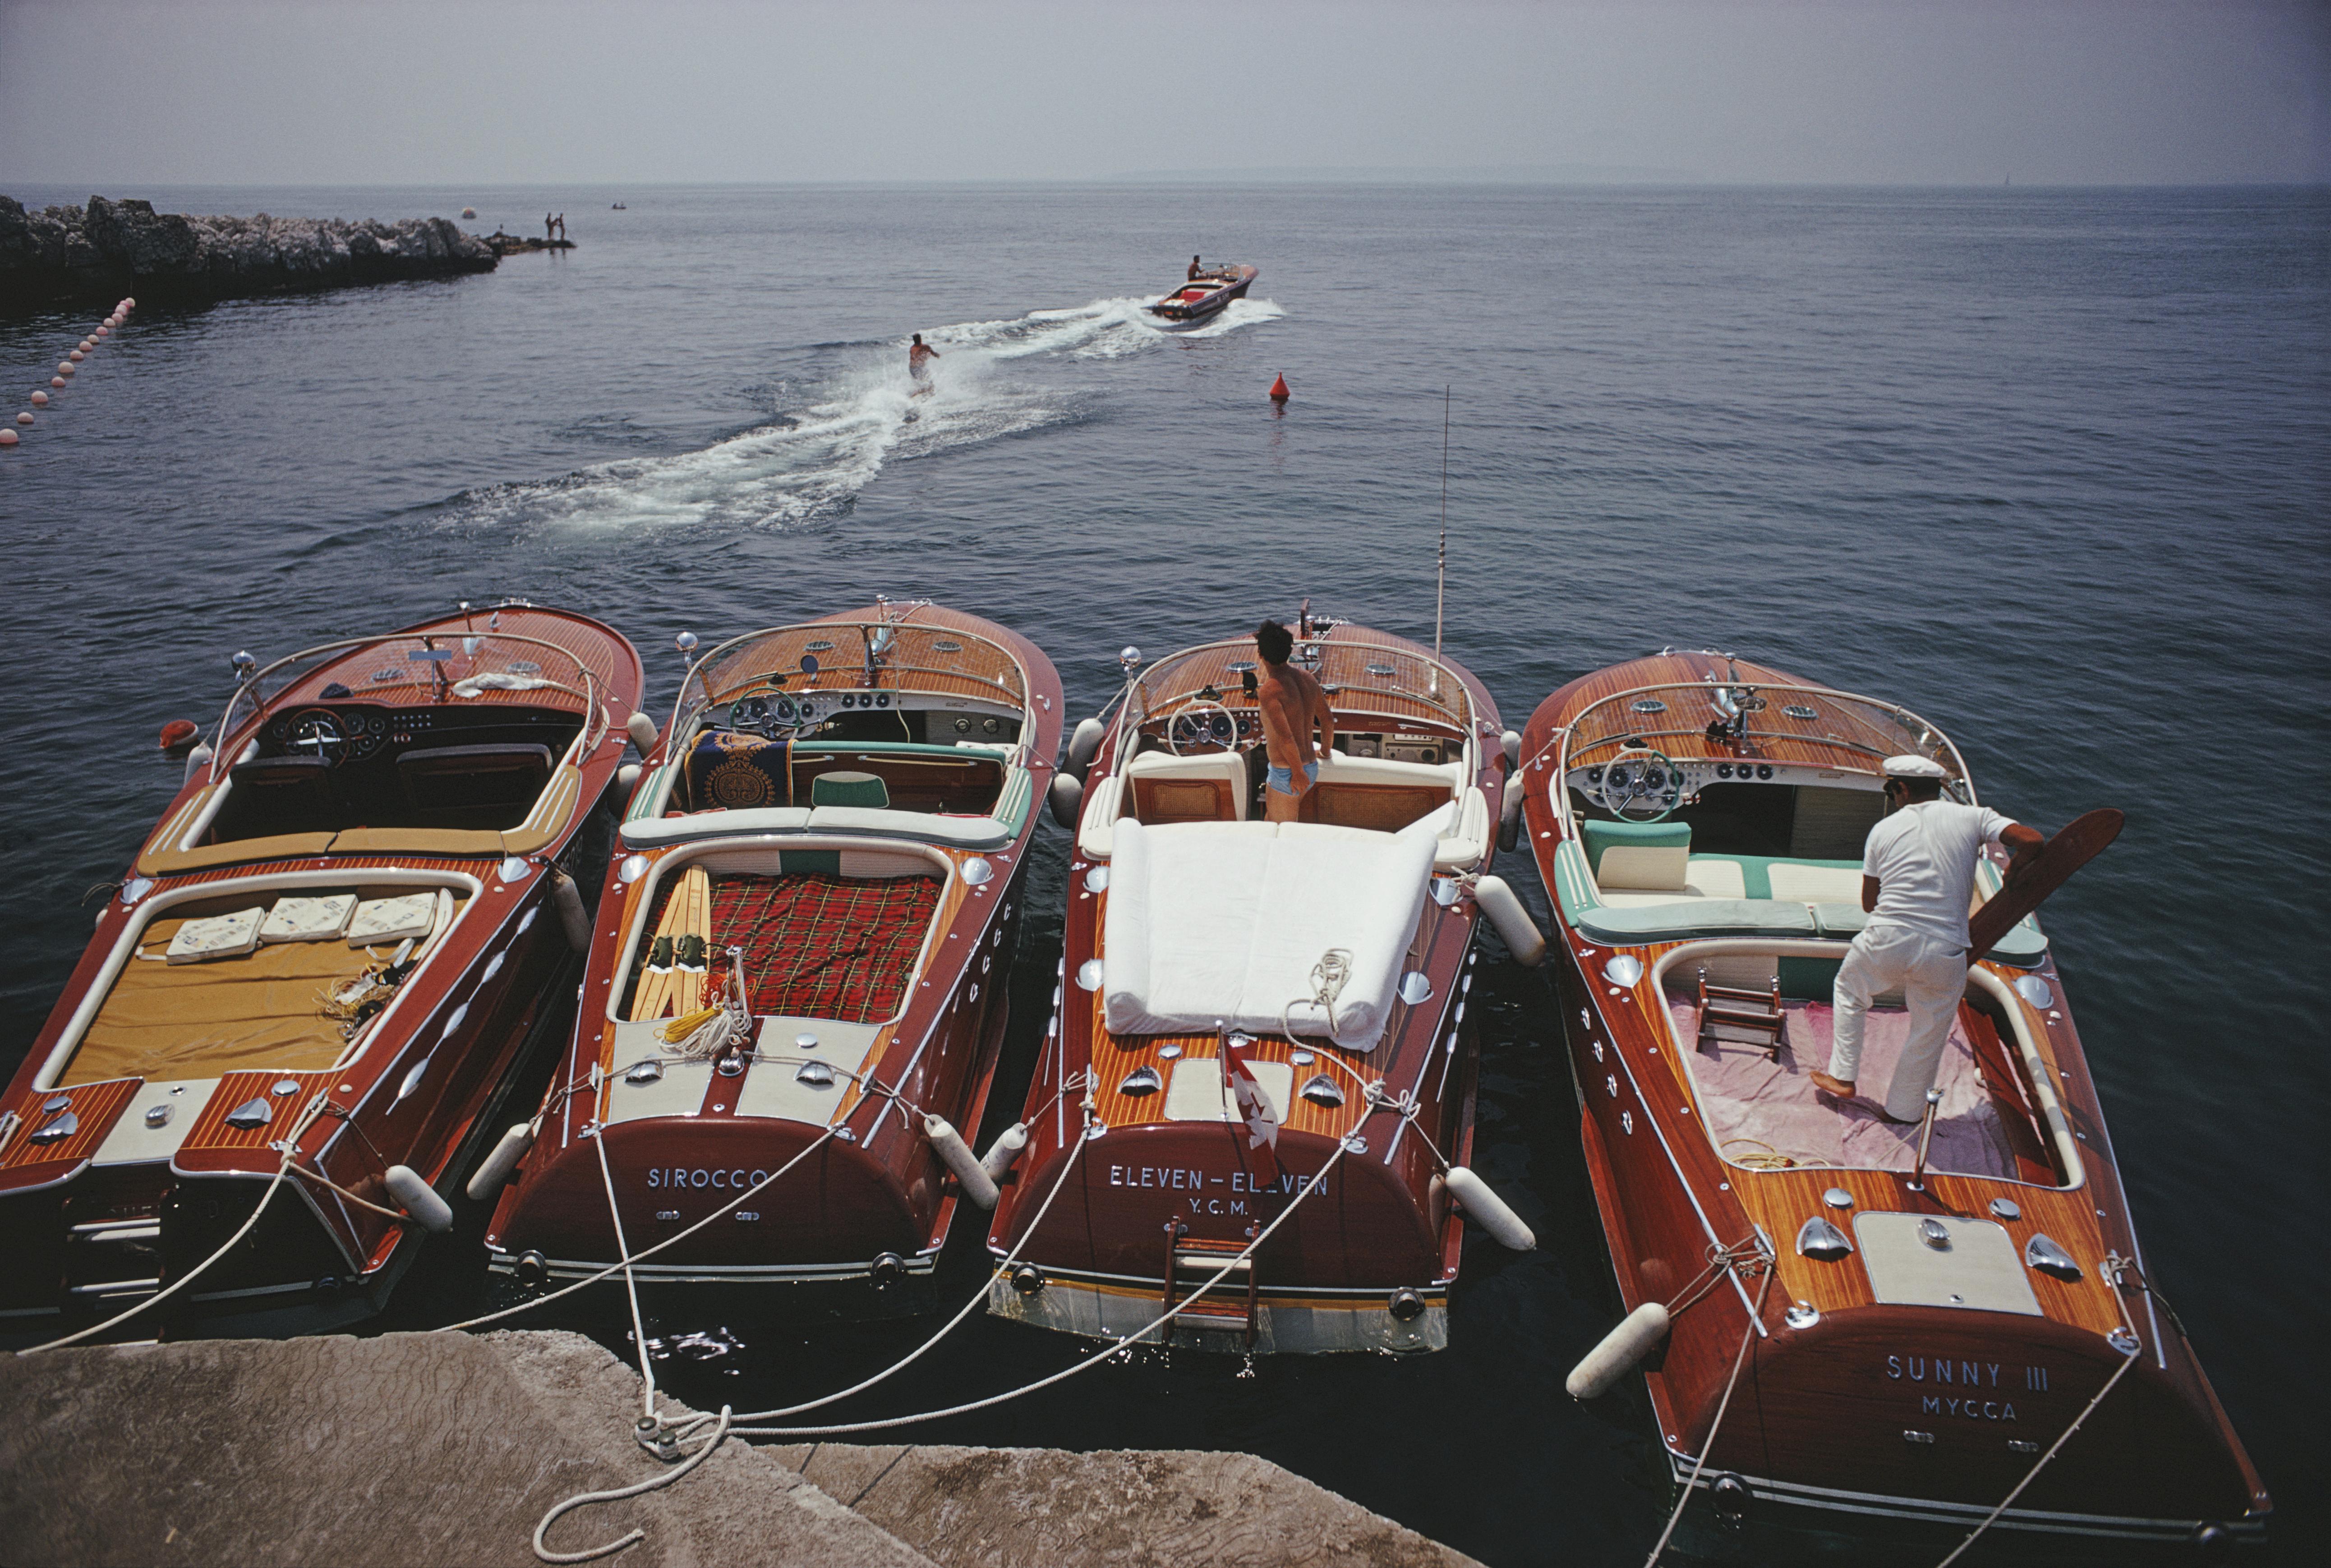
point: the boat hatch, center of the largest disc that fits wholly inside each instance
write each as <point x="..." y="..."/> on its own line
<point x="1935" y="1260"/>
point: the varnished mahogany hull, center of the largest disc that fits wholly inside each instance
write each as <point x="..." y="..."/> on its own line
<point x="419" y="1093"/>
<point x="1848" y="1425"/>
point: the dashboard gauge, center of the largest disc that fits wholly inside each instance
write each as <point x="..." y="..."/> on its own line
<point x="1654" y="778"/>
<point x="1595" y="775"/>
<point x="782" y="710"/>
<point x="1223" y="729"/>
<point x="1723" y="770"/>
<point x="1764" y="770"/>
<point x="1617" y="778"/>
<point x="963" y="726"/>
<point x="318" y="734"/>
<point x="992" y="726"/>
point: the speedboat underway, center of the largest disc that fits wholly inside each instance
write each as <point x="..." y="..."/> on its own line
<point x="315" y="982"/>
<point x="796" y="993"/>
<point x="1245" y="1002"/>
<point x="1906" y="1316"/>
<point x="1203" y="298"/>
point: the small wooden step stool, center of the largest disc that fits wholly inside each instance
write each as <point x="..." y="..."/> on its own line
<point x="1747" y="1017"/>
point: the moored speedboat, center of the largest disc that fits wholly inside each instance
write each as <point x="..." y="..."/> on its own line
<point x="1939" y="1301"/>
<point x="1245" y="1004"/>
<point x="314" y="982"/>
<point x="799" y="967"/>
<point x="1203" y="298"/>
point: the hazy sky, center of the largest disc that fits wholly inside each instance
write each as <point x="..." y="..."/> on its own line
<point x="110" y="95"/>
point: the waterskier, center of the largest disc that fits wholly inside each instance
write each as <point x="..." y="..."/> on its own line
<point x="919" y="355"/>
<point x="1917" y="878"/>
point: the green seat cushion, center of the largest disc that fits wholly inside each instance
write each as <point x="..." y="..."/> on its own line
<point x="1601" y="836"/>
<point x="849" y="789"/>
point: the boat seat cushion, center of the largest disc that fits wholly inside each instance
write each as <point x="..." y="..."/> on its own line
<point x="817" y="945"/>
<point x="281" y="795"/>
<point x="850" y="789"/>
<point x="1654" y="857"/>
<point x="1222" y="923"/>
<point x="460" y="778"/>
<point x="1379" y="792"/>
<point x="1163" y="788"/>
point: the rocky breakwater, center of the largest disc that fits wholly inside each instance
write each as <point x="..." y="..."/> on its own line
<point x="107" y="249"/>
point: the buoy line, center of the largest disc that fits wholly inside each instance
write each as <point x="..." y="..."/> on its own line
<point x="66" y="367"/>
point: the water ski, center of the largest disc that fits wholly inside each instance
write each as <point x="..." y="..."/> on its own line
<point x="2081" y="841"/>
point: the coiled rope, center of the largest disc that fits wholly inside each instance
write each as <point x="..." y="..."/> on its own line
<point x="584" y="1499"/>
<point x="1329" y="978"/>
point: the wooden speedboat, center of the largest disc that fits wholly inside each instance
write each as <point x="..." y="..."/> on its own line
<point x="1944" y="1300"/>
<point x="1200" y="943"/>
<point x="828" y="849"/>
<point x="1203" y="298"/>
<point x="331" y="952"/>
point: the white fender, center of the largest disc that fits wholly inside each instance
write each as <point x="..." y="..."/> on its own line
<point x="1004" y="1150"/>
<point x="1473" y="1196"/>
<point x="627" y="778"/>
<point x="1510" y="743"/>
<point x="958" y="1158"/>
<point x="642" y="730"/>
<point x="419" y="1199"/>
<point x="1509" y="813"/>
<point x="1068" y="799"/>
<point x="1084" y="744"/>
<point x="491" y="1176"/>
<point x="1504" y="908"/>
<point x="568" y="899"/>
<point x="1620" y="1349"/>
<point x="197" y="760"/>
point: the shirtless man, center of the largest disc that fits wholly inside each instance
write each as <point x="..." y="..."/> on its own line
<point x="1292" y="704"/>
<point x="919" y="355"/>
<point x="1195" y="269"/>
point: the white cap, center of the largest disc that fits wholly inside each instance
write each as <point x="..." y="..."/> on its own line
<point x="1915" y="767"/>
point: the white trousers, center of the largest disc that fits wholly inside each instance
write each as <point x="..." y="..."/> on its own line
<point x="1931" y="973"/>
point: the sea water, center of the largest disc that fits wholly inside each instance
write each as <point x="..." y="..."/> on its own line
<point x="2049" y="466"/>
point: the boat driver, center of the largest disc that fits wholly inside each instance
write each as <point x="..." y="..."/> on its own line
<point x="1195" y="269"/>
<point x="1917" y="878"/>
<point x="1292" y="704"/>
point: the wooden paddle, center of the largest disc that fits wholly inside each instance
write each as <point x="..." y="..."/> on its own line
<point x="2080" y="842"/>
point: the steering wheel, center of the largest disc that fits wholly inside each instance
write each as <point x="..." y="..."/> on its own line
<point x="1199" y="731"/>
<point x="1642" y="785"/>
<point x="318" y="734"/>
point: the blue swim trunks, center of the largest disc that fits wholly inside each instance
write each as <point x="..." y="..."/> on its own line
<point x="1282" y="779"/>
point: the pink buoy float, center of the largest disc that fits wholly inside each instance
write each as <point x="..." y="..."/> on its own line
<point x="7" y="438"/>
<point x="66" y="368"/>
<point x="76" y="356"/>
<point x="102" y="332"/>
<point x="57" y="381"/>
<point x="23" y="419"/>
<point x="40" y="400"/>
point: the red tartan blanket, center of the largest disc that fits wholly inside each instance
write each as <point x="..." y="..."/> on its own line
<point x="818" y="945"/>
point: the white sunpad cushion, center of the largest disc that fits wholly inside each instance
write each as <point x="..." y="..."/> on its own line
<point x="1221" y="923"/>
<point x="228" y="935"/>
<point x="307" y="920"/>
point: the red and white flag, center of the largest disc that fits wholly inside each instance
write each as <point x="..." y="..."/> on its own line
<point x="1254" y="1109"/>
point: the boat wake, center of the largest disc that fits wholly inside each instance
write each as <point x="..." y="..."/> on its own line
<point x="860" y="416"/>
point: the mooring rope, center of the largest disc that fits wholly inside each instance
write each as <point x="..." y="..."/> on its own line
<point x="2134" y="1356"/>
<point x="1748" y="1336"/>
<point x="582" y="1499"/>
<point x="290" y="1148"/>
<point x="1119" y="1348"/>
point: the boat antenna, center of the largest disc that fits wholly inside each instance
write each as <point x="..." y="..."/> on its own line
<point x="1440" y="567"/>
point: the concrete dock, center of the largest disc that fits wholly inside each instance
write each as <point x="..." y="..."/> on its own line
<point x="448" y="1449"/>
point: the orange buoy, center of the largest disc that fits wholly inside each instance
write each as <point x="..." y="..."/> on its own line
<point x="179" y="735"/>
<point x="1278" y="393"/>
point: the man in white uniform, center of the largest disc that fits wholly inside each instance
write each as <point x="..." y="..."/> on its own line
<point x="1917" y="878"/>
